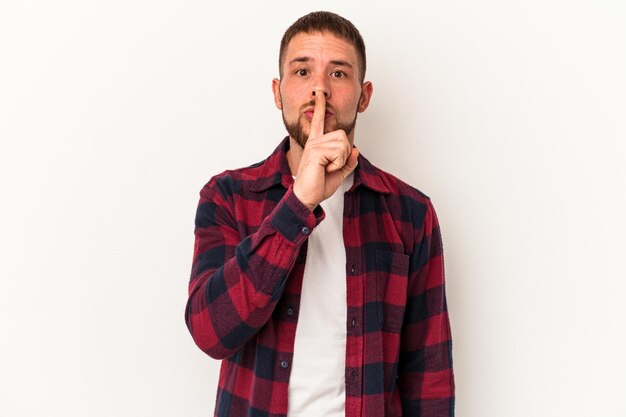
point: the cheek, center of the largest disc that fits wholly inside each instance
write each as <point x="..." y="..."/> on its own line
<point x="292" y="101"/>
<point x="351" y="99"/>
<point x="356" y="103"/>
<point x="351" y="107"/>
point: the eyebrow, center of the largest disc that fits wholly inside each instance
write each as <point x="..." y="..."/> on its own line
<point x="305" y="59"/>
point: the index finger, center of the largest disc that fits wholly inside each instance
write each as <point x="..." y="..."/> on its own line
<point x="319" y="114"/>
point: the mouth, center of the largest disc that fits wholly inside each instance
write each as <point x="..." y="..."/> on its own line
<point x="308" y="113"/>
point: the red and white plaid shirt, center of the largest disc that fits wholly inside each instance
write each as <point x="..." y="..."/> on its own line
<point x="250" y="247"/>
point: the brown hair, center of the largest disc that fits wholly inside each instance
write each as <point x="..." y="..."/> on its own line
<point x="325" y="22"/>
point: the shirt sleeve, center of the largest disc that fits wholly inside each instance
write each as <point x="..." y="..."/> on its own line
<point x="425" y="375"/>
<point x="237" y="281"/>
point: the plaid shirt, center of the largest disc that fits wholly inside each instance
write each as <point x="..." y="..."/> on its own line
<point x="249" y="256"/>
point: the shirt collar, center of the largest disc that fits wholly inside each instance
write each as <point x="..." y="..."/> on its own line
<point x="276" y="171"/>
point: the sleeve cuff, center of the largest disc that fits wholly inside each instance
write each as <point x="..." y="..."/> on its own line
<point x="293" y="219"/>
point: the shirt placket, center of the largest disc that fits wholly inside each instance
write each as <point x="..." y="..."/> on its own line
<point x="354" y="296"/>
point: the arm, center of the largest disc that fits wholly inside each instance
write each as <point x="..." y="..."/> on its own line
<point x="236" y="283"/>
<point x="425" y="375"/>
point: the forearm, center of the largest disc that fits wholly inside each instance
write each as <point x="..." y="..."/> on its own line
<point x="425" y="374"/>
<point x="235" y="296"/>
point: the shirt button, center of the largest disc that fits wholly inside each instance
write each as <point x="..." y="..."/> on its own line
<point x="353" y="322"/>
<point x="284" y="364"/>
<point x="290" y="311"/>
<point x="353" y="374"/>
<point x="306" y="230"/>
<point x="353" y="269"/>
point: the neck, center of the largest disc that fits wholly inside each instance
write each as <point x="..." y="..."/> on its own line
<point x="294" y="154"/>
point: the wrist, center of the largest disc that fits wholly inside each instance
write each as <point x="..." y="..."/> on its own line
<point x="310" y="206"/>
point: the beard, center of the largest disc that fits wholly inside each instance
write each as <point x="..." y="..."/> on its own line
<point x="296" y="131"/>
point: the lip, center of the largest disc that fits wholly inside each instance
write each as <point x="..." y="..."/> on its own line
<point x="308" y="113"/>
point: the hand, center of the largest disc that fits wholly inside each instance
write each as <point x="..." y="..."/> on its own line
<point x="326" y="161"/>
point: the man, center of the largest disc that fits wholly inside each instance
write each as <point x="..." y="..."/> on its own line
<point x="317" y="277"/>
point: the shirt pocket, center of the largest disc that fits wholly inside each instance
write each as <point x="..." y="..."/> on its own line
<point x="392" y="269"/>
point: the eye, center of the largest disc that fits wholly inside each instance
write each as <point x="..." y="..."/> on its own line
<point x="302" y="72"/>
<point x="338" y="74"/>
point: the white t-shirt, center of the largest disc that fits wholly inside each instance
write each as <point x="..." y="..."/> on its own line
<point x="317" y="381"/>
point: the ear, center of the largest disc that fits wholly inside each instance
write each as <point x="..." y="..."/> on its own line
<point x="276" y="90"/>
<point x="366" y="94"/>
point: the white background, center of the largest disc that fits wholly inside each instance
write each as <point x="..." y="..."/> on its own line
<point x="113" y="114"/>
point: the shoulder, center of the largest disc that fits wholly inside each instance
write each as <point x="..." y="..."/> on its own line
<point x="399" y="188"/>
<point x="409" y="203"/>
<point x="256" y="177"/>
<point x="232" y="181"/>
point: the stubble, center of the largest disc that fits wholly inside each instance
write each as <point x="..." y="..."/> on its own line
<point x="296" y="130"/>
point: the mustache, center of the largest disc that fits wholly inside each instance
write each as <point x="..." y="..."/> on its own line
<point x="312" y="104"/>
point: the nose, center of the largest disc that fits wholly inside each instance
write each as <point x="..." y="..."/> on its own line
<point x="319" y="90"/>
<point x="320" y="85"/>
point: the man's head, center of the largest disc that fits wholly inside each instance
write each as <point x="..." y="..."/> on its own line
<point x="325" y="22"/>
<point x="321" y="51"/>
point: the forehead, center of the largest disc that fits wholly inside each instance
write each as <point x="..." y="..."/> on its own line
<point x="321" y="46"/>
